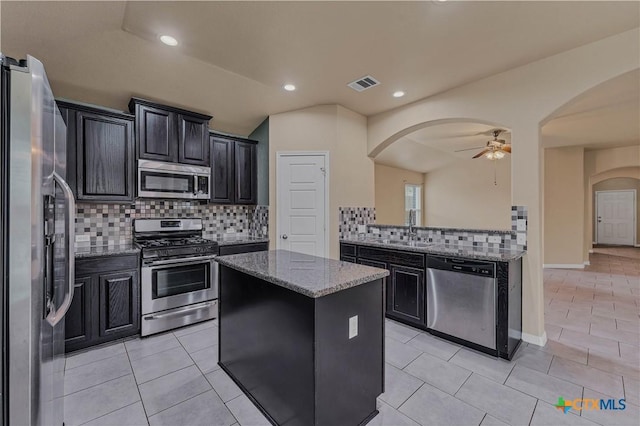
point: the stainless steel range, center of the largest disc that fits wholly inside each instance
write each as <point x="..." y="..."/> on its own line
<point x="179" y="273"/>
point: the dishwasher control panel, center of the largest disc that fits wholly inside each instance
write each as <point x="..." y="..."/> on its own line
<point x="474" y="267"/>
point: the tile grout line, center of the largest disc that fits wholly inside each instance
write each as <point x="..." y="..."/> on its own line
<point x="535" y="407"/>
<point x="205" y="377"/>
<point x="409" y="397"/>
<point x="137" y="385"/>
<point x="91" y="362"/>
<point x="98" y="384"/>
<point x="111" y="412"/>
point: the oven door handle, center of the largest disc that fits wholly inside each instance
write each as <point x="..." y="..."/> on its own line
<point x="180" y="312"/>
<point x="181" y="260"/>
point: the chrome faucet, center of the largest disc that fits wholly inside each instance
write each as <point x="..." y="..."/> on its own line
<point x="412" y="223"/>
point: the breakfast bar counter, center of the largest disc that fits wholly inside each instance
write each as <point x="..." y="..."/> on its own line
<point x="303" y="336"/>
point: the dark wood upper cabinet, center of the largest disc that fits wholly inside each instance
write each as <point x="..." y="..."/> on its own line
<point x="104" y="157"/>
<point x="166" y="133"/>
<point x="246" y="169"/>
<point x="100" y="153"/>
<point x="156" y="134"/>
<point x="222" y="165"/>
<point x="233" y="170"/>
<point x="193" y="141"/>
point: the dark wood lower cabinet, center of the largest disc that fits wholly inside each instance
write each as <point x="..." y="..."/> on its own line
<point x="405" y="295"/>
<point x="106" y="302"/>
<point x="119" y="304"/>
<point x="406" y="285"/>
<point x="78" y="318"/>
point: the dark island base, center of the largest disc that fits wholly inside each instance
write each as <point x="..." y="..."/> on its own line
<point x="264" y="412"/>
<point x="292" y="356"/>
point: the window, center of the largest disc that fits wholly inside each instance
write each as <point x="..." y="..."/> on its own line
<point x="413" y="200"/>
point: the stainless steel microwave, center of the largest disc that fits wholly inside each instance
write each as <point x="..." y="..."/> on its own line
<point x="158" y="179"/>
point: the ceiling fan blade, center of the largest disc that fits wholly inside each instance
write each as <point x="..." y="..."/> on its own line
<point x="506" y="148"/>
<point x="481" y="153"/>
<point x="469" y="149"/>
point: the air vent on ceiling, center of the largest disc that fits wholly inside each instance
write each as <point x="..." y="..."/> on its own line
<point x="364" y="83"/>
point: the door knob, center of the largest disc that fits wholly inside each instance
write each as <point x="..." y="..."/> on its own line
<point x="284" y="236"/>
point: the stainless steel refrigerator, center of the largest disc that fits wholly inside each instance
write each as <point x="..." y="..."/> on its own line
<point x="36" y="255"/>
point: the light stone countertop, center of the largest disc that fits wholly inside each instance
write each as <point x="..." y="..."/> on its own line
<point x="108" y="250"/>
<point x="308" y="275"/>
<point x="467" y="252"/>
<point x="238" y="238"/>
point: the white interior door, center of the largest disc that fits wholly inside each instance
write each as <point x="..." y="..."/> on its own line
<point x="615" y="217"/>
<point x="302" y="204"/>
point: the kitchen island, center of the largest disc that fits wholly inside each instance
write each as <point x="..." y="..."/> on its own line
<point x="303" y="336"/>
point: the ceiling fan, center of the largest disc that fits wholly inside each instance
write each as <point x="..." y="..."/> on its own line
<point x="494" y="149"/>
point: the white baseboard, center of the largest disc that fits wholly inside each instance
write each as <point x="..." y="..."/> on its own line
<point x="587" y="263"/>
<point x="636" y="245"/>
<point x="591" y="251"/>
<point x="564" y="265"/>
<point x="536" y="340"/>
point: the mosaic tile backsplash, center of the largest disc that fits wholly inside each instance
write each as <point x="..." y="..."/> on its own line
<point x="112" y="224"/>
<point x="351" y="217"/>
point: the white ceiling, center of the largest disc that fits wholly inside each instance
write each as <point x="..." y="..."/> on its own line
<point x="606" y="116"/>
<point x="234" y="57"/>
<point x="436" y="146"/>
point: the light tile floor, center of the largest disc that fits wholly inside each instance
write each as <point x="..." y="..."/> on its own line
<point x="592" y="322"/>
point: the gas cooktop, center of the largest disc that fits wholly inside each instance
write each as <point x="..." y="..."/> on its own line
<point x="172" y="238"/>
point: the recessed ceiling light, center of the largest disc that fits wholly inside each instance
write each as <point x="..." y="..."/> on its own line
<point x="289" y="87"/>
<point x="168" y="40"/>
<point x="398" y="94"/>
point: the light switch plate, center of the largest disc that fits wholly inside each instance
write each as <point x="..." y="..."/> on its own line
<point x="362" y="229"/>
<point x="82" y="238"/>
<point x="479" y="239"/>
<point x="495" y="239"/>
<point x="521" y="225"/>
<point x="353" y="327"/>
<point x="521" y="238"/>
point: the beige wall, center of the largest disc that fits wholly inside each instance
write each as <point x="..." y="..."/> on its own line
<point x="325" y="128"/>
<point x="563" y="206"/>
<point x="617" y="184"/>
<point x="463" y="195"/>
<point x="389" y="188"/>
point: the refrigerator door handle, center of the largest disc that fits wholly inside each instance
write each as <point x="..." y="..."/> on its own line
<point x="70" y="203"/>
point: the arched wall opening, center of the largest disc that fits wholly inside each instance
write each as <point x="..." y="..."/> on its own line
<point x="524" y="99"/>
<point x="457" y="190"/>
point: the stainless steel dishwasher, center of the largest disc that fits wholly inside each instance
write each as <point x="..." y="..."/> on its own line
<point x="461" y="299"/>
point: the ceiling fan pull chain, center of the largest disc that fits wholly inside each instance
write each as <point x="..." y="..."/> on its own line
<point x="495" y="172"/>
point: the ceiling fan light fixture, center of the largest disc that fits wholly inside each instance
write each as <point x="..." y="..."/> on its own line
<point x="498" y="155"/>
<point x="490" y="155"/>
